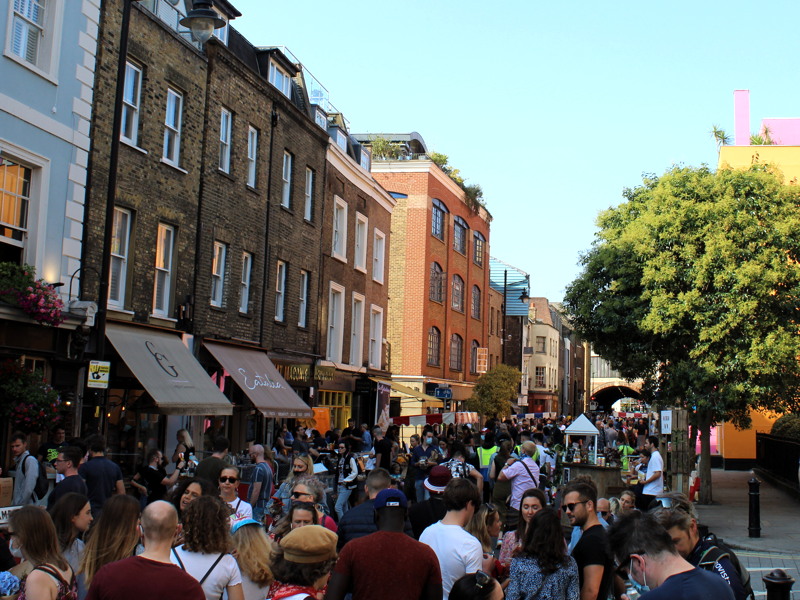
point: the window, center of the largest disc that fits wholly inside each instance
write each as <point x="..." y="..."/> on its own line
<point x="225" y="141"/>
<point x="339" y="249"/>
<point x="130" y="104"/>
<point x="541" y="344"/>
<point x="378" y="253"/>
<point x="280" y="291"/>
<point x="120" y="244"/>
<point x="456" y="352"/>
<point x="364" y="159"/>
<point x="357" y="330"/>
<point x="218" y="273"/>
<point x="437" y="283"/>
<point x="335" y="322"/>
<point x="491" y="320"/>
<point x="476" y="302"/>
<point x="437" y="219"/>
<point x="15" y="198"/>
<point x="360" y="259"/>
<point x="457" y="300"/>
<point x="540" y="377"/>
<point x="172" y="127"/>
<point x="434" y="342"/>
<point x="244" y="296"/>
<point x="222" y="33"/>
<point x="286" y="176"/>
<point x="473" y="357"/>
<point x="28" y="29"/>
<point x="280" y="79"/>
<point x="478" y="248"/>
<point x="165" y="242"/>
<point x="252" y="156"/>
<point x="375" y="336"/>
<point x="302" y="319"/>
<point x="460" y="228"/>
<point x="308" y="210"/>
<point x="34" y="34"/>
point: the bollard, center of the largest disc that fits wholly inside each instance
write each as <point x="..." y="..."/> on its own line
<point x="754" y="528"/>
<point x="778" y="584"/>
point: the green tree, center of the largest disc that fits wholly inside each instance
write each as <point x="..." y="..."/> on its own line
<point x="495" y="390"/>
<point x="694" y="284"/>
<point x="384" y="149"/>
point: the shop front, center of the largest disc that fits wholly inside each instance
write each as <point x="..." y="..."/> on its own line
<point x="542" y="402"/>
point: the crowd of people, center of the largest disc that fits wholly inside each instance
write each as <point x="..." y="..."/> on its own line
<point x="458" y="513"/>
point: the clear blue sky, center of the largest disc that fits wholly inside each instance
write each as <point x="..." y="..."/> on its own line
<point x="552" y="108"/>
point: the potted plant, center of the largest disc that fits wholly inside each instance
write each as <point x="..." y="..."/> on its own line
<point x="26" y="399"/>
<point x="38" y="299"/>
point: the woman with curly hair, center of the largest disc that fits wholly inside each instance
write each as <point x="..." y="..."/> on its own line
<point x="302" y="563"/>
<point x="205" y="550"/>
<point x="543" y="568"/>
<point x="310" y="489"/>
<point x="72" y="515"/>
<point x="300" y="515"/>
<point x="189" y="490"/>
<point x="114" y="536"/>
<point x="252" y="549"/>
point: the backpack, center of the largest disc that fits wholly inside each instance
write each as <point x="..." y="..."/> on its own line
<point x="42" y="485"/>
<point x="712" y="555"/>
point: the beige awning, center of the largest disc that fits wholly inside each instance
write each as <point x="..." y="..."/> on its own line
<point x="427" y="400"/>
<point x="168" y="371"/>
<point x="254" y="373"/>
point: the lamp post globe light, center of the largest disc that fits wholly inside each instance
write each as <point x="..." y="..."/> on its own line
<point x="202" y="20"/>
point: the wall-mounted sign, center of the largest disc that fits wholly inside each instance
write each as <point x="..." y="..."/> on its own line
<point x="99" y="374"/>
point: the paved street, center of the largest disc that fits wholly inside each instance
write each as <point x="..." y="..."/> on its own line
<point x="779" y="544"/>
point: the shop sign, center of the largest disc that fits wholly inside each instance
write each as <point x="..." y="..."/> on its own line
<point x="325" y="373"/>
<point x="294" y="372"/>
<point x="666" y="422"/>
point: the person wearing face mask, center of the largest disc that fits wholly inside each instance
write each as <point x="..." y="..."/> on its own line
<point x="301" y="465"/>
<point x="422" y="459"/>
<point x="646" y="556"/>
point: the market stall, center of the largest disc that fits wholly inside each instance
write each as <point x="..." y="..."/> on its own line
<point x="581" y="458"/>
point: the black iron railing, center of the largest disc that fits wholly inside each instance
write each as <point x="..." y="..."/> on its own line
<point x="779" y="456"/>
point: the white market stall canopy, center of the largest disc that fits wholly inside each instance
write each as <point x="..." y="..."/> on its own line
<point x="582" y="426"/>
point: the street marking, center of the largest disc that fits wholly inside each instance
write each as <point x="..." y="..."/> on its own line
<point x="769" y="569"/>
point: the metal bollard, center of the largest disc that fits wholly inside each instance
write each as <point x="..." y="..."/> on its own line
<point x="754" y="528"/>
<point x="778" y="584"/>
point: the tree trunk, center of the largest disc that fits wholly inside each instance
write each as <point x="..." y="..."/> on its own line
<point x="704" y="426"/>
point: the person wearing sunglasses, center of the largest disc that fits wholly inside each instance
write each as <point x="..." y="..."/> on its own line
<point x="310" y="489"/>
<point x="476" y="586"/>
<point x="646" y="556"/>
<point x="229" y="492"/>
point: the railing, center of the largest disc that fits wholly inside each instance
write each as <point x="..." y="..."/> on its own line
<point x="779" y="456"/>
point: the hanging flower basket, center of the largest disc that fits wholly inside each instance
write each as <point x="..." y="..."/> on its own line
<point x="26" y="400"/>
<point x="37" y="299"/>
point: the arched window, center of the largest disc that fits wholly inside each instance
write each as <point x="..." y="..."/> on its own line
<point x="478" y="248"/>
<point x="476" y="302"/>
<point x="456" y="352"/>
<point x="458" y="294"/>
<point x="437" y="283"/>
<point x="438" y="213"/>
<point x="460" y="229"/>
<point x="434" y="342"/>
<point x="473" y="357"/>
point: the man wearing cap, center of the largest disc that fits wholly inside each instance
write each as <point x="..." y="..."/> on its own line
<point x="458" y="552"/>
<point x="428" y="512"/>
<point x="387" y="564"/>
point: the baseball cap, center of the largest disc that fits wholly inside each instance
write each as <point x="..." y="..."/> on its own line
<point x="390" y="498"/>
<point x="438" y="479"/>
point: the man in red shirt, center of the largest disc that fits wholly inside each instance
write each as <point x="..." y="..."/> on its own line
<point x="387" y="564"/>
<point x="151" y="574"/>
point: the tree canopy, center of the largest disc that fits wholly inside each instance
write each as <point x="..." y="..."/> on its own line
<point x="693" y="283"/>
<point x="495" y="390"/>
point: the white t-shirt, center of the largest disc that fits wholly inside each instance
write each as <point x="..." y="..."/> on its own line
<point x="224" y="574"/>
<point x="241" y="510"/>
<point x="252" y="591"/>
<point x="656" y="464"/>
<point x="458" y="552"/>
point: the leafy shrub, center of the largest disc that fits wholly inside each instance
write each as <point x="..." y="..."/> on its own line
<point x="788" y="426"/>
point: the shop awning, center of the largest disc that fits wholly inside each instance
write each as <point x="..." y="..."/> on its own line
<point x="167" y="370"/>
<point x="254" y="373"/>
<point x="427" y="400"/>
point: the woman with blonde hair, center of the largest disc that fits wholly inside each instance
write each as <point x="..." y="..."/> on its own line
<point x="252" y="549"/>
<point x="485" y="526"/>
<point x="185" y="446"/>
<point x="205" y="550"/>
<point x="33" y="535"/>
<point x="114" y="536"/>
<point x="301" y="466"/>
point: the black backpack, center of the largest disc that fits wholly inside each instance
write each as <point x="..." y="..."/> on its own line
<point x="42" y="485"/>
<point x="712" y="555"/>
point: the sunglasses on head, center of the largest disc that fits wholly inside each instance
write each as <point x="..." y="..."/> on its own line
<point x="482" y="579"/>
<point x="300" y="494"/>
<point x="571" y="506"/>
<point x="228" y="479"/>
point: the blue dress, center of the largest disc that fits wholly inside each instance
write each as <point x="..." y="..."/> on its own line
<point x="528" y="583"/>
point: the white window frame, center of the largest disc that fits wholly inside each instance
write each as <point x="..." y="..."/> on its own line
<point x="173" y="120"/>
<point x="360" y="254"/>
<point x="221" y="33"/>
<point x="308" y="207"/>
<point x="375" y="336"/>
<point x="286" y="177"/>
<point x="131" y="100"/>
<point x="218" y="273"/>
<point x="280" y="291"/>
<point x="48" y="38"/>
<point x="378" y="256"/>
<point x="280" y="79"/>
<point x="165" y="249"/>
<point x="252" y="156"/>
<point x="225" y="128"/>
<point x="357" y="329"/>
<point x="365" y="159"/>
<point x="339" y="235"/>
<point x="335" y="322"/>
<point x="120" y="257"/>
<point x="247" y="270"/>
<point x="305" y="282"/>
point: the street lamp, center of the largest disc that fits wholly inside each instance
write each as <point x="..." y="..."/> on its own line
<point x="202" y="20"/>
